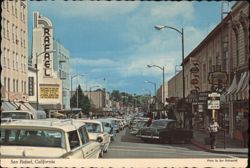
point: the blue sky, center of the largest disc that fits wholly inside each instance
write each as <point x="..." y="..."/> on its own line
<point x="115" y="40"/>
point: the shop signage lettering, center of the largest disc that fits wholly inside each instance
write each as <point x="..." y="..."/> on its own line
<point x="47" y="58"/>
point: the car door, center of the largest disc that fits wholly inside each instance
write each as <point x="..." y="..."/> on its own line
<point x="74" y="145"/>
<point x="175" y="131"/>
<point x="106" y="137"/>
<point x="89" y="149"/>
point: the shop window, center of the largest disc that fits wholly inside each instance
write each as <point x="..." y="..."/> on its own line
<point x="239" y="120"/>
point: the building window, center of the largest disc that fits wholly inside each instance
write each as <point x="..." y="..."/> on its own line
<point x="17" y="86"/>
<point x="8" y="30"/>
<point x="5" y="83"/>
<point x="4" y="57"/>
<point x="204" y="73"/>
<point x="8" y="58"/>
<point x="24" y="87"/>
<point x="16" y="62"/>
<point x="4" y="35"/>
<point x="14" y="82"/>
<point x="8" y="84"/>
<point x="13" y="60"/>
<point x="13" y="36"/>
<point x="12" y="7"/>
<point x="246" y="41"/>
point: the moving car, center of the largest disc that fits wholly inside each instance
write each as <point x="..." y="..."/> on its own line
<point x="165" y="130"/>
<point x="96" y="133"/>
<point x="107" y="126"/>
<point x="47" y="139"/>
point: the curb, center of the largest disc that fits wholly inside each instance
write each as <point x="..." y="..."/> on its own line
<point x="204" y="147"/>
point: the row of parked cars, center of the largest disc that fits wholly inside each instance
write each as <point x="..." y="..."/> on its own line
<point x="162" y="130"/>
<point x="58" y="138"/>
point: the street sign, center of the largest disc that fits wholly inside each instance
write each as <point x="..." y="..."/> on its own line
<point x="213" y="104"/>
<point x="214" y="94"/>
<point x="213" y="101"/>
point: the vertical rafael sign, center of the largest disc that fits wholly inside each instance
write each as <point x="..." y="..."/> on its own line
<point x="47" y="58"/>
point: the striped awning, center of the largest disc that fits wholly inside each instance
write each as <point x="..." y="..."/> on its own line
<point x="231" y="90"/>
<point x="240" y="86"/>
<point x="7" y="106"/>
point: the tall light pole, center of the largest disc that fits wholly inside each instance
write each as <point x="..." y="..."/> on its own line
<point x="163" y="81"/>
<point x="36" y="66"/>
<point x="181" y="32"/>
<point x="154" y="88"/>
<point x="72" y="77"/>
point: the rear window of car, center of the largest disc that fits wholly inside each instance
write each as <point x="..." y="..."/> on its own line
<point x="93" y="128"/>
<point x="159" y="124"/>
<point x="15" y="115"/>
<point x="29" y="137"/>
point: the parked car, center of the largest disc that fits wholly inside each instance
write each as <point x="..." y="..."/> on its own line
<point x="23" y="114"/>
<point x="96" y="132"/>
<point x="139" y="124"/>
<point x="165" y="130"/>
<point x="47" y="139"/>
<point x="114" y="124"/>
<point x="107" y="125"/>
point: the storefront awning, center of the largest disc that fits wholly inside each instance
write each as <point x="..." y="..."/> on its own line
<point x="245" y="89"/>
<point x="7" y="106"/>
<point x="240" y="85"/>
<point x="231" y="89"/>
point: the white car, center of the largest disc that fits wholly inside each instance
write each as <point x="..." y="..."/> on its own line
<point x="47" y="139"/>
<point x="96" y="133"/>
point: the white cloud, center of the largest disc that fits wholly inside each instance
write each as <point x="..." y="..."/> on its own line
<point x="171" y="10"/>
<point x="87" y="9"/>
<point x="92" y="62"/>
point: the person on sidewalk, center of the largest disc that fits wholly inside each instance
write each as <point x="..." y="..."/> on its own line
<point x="213" y="129"/>
<point x="245" y="129"/>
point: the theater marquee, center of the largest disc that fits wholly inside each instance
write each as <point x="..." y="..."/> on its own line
<point x="49" y="92"/>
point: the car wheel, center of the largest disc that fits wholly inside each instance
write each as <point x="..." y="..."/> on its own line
<point x="101" y="154"/>
<point x="106" y="150"/>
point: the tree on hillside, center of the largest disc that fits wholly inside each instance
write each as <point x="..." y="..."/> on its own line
<point x="83" y="101"/>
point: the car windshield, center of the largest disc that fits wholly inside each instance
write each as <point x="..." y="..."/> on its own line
<point x="29" y="137"/>
<point x="15" y="115"/>
<point x="93" y="127"/>
<point x="159" y="124"/>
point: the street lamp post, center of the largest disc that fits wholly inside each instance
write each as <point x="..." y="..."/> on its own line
<point x="163" y="81"/>
<point x="37" y="55"/>
<point x="72" y="77"/>
<point x="154" y="88"/>
<point x="158" y="27"/>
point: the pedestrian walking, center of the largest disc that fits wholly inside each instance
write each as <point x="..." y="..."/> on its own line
<point x="213" y="129"/>
<point x="245" y="129"/>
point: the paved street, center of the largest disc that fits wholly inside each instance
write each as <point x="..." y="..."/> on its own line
<point x="129" y="146"/>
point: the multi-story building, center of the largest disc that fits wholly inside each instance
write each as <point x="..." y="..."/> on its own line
<point x="97" y="98"/>
<point x="222" y="61"/>
<point x="47" y="84"/>
<point x="14" y="47"/>
<point x="61" y="66"/>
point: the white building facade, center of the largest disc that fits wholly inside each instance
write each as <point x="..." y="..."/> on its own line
<point x="14" y="47"/>
<point x="61" y="66"/>
<point x="48" y="86"/>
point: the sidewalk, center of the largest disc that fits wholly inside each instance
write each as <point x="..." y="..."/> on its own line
<point x="231" y="146"/>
